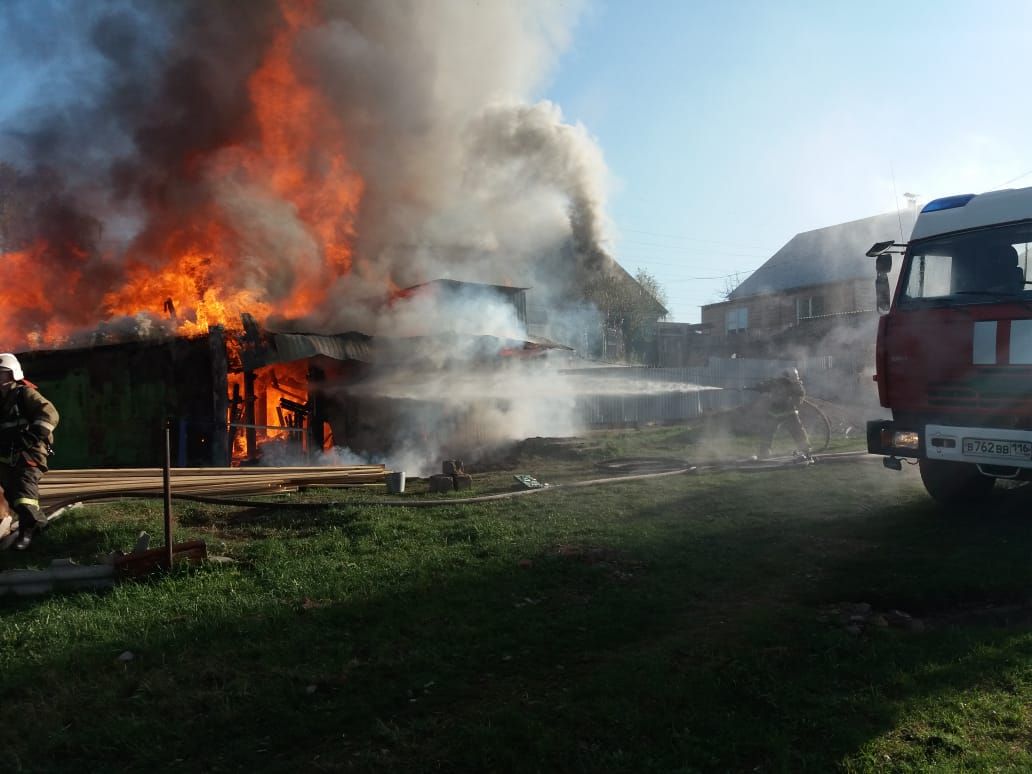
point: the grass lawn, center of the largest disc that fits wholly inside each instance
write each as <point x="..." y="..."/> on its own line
<point x="690" y="623"/>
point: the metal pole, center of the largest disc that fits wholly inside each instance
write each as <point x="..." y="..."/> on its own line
<point x="167" y="481"/>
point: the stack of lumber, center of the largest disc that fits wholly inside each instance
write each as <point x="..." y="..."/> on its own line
<point x="65" y="486"/>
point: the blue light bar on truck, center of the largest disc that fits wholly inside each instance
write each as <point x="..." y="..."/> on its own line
<point x="947" y="203"/>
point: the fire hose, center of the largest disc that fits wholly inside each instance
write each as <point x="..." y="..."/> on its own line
<point x="628" y="469"/>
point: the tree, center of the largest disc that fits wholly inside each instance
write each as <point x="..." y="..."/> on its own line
<point x="731" y="283"/>
<point x="651" y="286"/>
<point x="628" y="304"/>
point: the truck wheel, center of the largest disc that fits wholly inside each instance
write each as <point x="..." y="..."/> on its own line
<point x="950" y="483"/>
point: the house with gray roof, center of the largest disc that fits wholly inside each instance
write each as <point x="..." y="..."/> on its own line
<point x="818" y="284"/>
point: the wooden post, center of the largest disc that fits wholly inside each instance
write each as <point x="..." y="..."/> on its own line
<point x="221" y="436"/>
<point x="167" y="481"/>
<point x="249" y="432"/>
<point x="181" y="444"/>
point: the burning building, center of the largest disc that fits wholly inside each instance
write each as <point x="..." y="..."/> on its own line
<point x="258" y="396"/>
<point x="170" y="169"/>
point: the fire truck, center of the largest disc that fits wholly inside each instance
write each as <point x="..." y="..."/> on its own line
<point x="954" y="348"/>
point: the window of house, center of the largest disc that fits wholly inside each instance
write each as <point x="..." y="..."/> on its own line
<point x="737" y="319"/>
<point x="809" y="306"/>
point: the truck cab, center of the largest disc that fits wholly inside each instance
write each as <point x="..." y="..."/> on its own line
<point x="954" y="348"/>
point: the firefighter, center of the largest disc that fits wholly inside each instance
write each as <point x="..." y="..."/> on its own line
<point x="785" y="395"/>
<point x="27" y="422"/>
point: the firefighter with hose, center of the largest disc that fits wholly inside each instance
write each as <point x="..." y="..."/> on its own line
<point x="27" y="422"/>
<point x="785" y="395"/>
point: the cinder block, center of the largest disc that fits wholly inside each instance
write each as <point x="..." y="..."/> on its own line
<point x="451" y="467"/>
<point x="442" y="483"/>
<point x="462" y="481"/>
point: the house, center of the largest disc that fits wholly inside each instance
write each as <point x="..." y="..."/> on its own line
<point x="606" y="315"/>
<point x="115" y="400"/>
<point x="814" y="296"/>
<point x="239" y="397"/>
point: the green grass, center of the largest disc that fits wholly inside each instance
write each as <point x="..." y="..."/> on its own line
<point x="675" y="624"/>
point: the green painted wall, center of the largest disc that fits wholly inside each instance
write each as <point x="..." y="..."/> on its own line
<point x="114" y="401"/>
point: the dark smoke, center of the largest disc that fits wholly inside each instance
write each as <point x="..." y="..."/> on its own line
<point x="135" y="108"/>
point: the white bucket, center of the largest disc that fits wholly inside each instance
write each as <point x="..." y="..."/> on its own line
<point x="396" y="482"/>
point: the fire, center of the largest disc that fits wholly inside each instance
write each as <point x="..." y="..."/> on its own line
<point x="279" y="397"/>
<point x="293" y="119"/>
<point x="202" y="257"/>
<point x="197" y="280"/>
<point x="22" y="296"/>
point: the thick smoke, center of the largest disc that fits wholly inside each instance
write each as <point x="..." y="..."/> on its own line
<point x="306" y="159"/>
<point x="420" y="153"/>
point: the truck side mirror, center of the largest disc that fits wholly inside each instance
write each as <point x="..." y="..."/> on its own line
<point x="882" y="295"/>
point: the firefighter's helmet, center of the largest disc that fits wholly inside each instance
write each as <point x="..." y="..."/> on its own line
<point x="791" y="373"/>
<point x="10" y="363"/>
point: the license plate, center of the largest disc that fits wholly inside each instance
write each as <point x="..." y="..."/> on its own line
<point x="988" y="447"/>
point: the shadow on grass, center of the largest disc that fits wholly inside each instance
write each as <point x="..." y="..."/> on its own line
<point x="687" y="641"/>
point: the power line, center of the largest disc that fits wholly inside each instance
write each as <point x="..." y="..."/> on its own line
<point x="695" y="239"/>
<point x="693" y="250"/>
<point x="1012" y="180"/>
<point x="695" y="279"/>
<point x="659" y="261"/>
<point x="645" y="261"/>
<point x="713" y="277"/>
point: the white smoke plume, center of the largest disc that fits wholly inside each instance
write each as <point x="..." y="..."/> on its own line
<point x="455" y="170"/>
<point x="424" y="151"/>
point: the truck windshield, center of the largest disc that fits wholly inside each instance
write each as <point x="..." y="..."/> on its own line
<point x="972" y="267"/>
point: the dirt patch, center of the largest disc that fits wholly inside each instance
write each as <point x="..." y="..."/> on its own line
<point x="557" y="448"/>
<point x="616" y="564"/>
<point x="858" y="618"/>
<point x="1002" y="615"/>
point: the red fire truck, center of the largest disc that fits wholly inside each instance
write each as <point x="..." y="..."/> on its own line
<point x="954" y="350"/>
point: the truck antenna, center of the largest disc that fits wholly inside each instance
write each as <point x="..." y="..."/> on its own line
<point x="899" y="215"/>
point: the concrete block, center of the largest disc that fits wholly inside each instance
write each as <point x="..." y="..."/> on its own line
<point x="442" y="483"/>
<point x="451" y="467"/>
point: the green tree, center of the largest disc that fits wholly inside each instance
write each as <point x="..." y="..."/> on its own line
<point x="631" y="305"/>
<point x="651" y="286"/>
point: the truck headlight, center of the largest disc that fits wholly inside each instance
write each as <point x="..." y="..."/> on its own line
<point x="906" y="439"/>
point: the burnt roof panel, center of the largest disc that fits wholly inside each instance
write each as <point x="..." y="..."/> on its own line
<point x="343" y="346"/>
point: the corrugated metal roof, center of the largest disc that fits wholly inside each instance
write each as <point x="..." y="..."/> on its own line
<point x="824" y="255"/>
<point x="456" y="285"/>
<point x="342" y="346"/>
<point x="455" y="346"/>
<point x="358" y="346"/>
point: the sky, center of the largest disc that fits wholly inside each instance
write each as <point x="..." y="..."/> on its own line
<point x="728" y="128"/>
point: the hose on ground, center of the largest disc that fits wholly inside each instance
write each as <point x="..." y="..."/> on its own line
<point x="629" y="469"/>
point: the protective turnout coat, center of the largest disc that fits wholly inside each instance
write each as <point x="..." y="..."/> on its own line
<point x="786" y="395"/>
<point x="27" y="422"/>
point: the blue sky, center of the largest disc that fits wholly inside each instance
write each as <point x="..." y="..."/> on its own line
<point x="729" y="127"/>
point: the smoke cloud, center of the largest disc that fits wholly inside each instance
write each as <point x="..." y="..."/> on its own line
<point x="309" y="154"/>
<point x="303" y="161"/>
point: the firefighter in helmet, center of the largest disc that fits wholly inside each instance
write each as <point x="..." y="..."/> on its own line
<point x="785" y="395"/>
<point x="27" y="422"/>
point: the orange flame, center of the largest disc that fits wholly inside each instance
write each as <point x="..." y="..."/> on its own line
<point x="271" y="385"/>
<point x="198" y="263"/>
